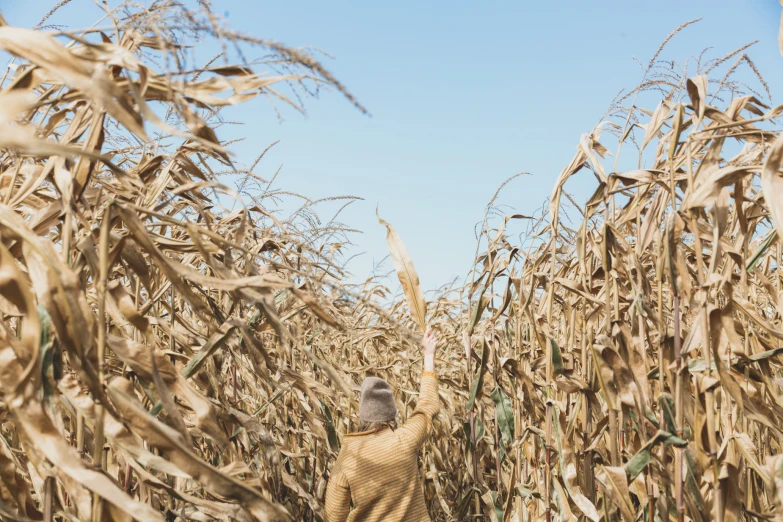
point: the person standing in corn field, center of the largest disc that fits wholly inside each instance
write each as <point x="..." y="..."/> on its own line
<point x="377" y="469"/>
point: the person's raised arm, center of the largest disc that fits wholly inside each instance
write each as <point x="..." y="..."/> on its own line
<point x="429" y="345"/>
<point x="418" y="427"/>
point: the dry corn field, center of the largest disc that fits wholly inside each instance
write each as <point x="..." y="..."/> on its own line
<point x="174" y="348"/>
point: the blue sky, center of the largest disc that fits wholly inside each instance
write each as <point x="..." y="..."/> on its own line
<point x="462" y="96"/>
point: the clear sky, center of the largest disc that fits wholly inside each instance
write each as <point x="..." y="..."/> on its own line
<point x="462" y="96"/>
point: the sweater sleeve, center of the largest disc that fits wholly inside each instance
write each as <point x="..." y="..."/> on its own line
<point x="338" y="495"/>
<point x="416" y="430"/>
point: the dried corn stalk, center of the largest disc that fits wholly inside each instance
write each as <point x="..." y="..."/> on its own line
<point x="163" y="357"/>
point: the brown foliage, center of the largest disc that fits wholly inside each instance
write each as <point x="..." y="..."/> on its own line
<point x="165" y="357"/>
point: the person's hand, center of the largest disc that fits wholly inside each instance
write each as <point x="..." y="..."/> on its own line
<point x="429" y="342"/>
<point x="429" y="345"/>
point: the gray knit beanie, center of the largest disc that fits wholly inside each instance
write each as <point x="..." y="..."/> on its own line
<point x="377" y="402"/>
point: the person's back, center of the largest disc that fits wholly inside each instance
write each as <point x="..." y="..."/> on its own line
<point x="377" y="470"/>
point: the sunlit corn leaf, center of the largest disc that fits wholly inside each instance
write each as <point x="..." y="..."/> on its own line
<point x="406" y="273"/>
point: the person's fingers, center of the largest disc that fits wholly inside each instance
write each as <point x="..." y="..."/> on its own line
<point x="429" y="341"/>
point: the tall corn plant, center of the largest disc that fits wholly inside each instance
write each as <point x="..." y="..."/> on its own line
<point x="165" y="357"/>
<point x="629" y="358"/>
<point x="159" y="352"/>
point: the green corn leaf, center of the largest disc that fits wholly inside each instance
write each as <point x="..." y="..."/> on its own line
<point x="557" y="358"/>
<point x="505" y="417"/>
<point x="334" y="442"/>
<point x="475" y="389"/>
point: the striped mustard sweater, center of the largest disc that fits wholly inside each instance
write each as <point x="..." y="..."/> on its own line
<point x="379" y="471"/>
